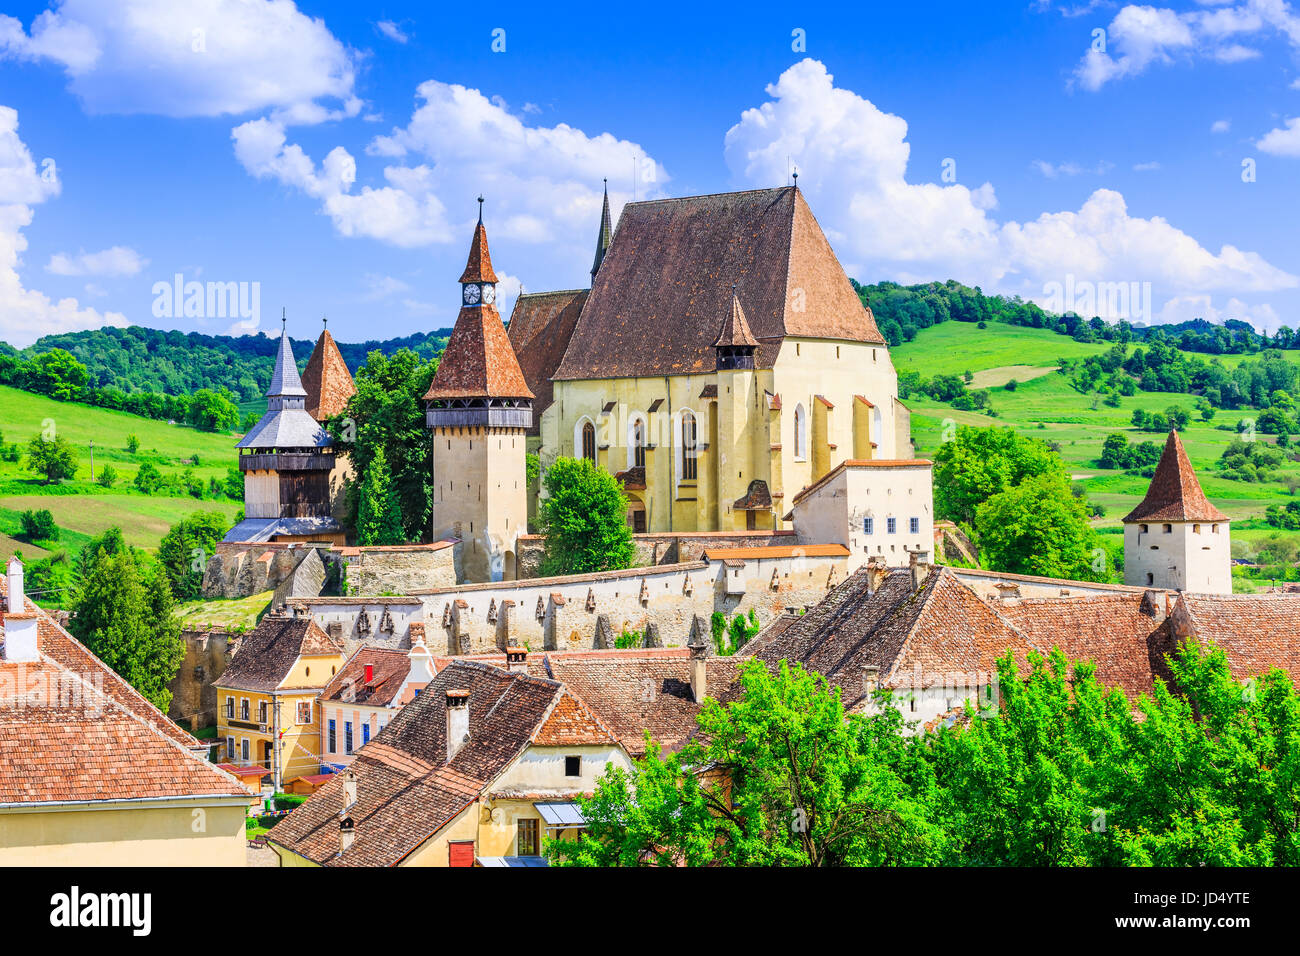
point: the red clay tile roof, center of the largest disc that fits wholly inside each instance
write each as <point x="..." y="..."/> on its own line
<point x="406" y="789"/>
<point x="942" y="629"/>
<point x="267" y="655"/>
<point x="479" y="266"/>
<point x="777" y="551"/>
<point x="655" y="303"/>
<point x="72" y="730"/>
<point x="1114" y="631"/>
<point x="390" y="670"/>
<point x="861" y="463"/>
<point x="635" y="691"/>
<point x="571" y="723"/>
<point x="1174" y="493"/>
<point x="735" y="328"/>
<point x="478" y="361"/>
<point x="327" y="380"/>
<point x="541" y="325"/>
<point x="1256" y="631"/>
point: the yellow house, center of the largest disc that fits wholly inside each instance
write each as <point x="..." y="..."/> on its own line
<point x="91" y="773"/>
<point x="479" y="769"/>
<point x="721" y="362"/>
<point x="266" y="697"/>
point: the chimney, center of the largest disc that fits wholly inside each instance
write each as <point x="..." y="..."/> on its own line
<point x="870" y="679"/>
<point x="876" y="571"/>
<point x="421" y="671"/>
<point x="20" y="625"/>
<point x="346" y="834"/>
<point x="370" y="674"/>
<point x="349" y="791"/>
<point x="457" y="721"/>
<point x="699" y="670"/>
<point x="516" y="660"/>
<point x="919" y="564"/>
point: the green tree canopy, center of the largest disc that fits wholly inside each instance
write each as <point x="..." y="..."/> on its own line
<point x="185" y="549"/>
<point x="379" y="516"/>
<point x="124" y="613"/>
<point x="978" y="463"/>
<point x="584" y="519"/>
<point x="52" y="457"/>
<point x="387" y="413"/>
<point x="1040" y="527"/>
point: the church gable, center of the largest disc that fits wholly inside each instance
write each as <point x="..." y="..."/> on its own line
<point x="667" y="277"/>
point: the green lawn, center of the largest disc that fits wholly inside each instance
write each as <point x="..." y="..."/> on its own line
<point x="235" y="614"/>
<point x="1047" y="407"/>
<point x="83" y="509"/>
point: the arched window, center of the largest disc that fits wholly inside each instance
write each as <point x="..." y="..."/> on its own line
<point x="636" y="440"/>
<point x="800" y="432"/>
<point x="876" y="424"/>
<point x="589" y="442"/>
<point x="690" y="446"/>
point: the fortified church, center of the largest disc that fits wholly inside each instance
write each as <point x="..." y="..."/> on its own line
<point x="721" y="366"/>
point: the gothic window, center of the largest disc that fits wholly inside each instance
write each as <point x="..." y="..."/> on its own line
<point x="589" y="442"/>
<point x="690" y="446"/>
<point x="638" y="443"/>
<point x="800" y="432"/>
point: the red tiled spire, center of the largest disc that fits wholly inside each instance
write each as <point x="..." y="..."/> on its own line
<point x="1175" y="494"/>
<point x="479" y="266"/>
<point x="735" y="327"/>
<point x="327" y="380"/>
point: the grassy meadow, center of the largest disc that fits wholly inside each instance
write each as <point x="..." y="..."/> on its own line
<point x="82" y="508"/>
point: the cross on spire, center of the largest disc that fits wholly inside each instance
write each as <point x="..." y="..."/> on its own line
<point x="284" y="321"/>
<point x="480" y="208"/>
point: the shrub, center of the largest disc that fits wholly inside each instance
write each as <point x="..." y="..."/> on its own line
<point x="39" y="525"/>
<point x="107" y="476"/>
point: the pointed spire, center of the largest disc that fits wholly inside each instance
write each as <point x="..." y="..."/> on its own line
<point x="1175" y="493"/>
<point x="479" y="266"/>
<point x="327" y="380"/>
<point x="285" y="382"/>
<point x="605" y="235"/>
<point x="735" y="327"/>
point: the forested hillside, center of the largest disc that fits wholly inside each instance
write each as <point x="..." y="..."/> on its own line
<point x="138" y="359"/>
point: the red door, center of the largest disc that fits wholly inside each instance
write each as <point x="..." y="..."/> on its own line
<point x="461" y="853"/>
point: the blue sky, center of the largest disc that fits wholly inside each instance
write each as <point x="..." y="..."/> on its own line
<point x="330" y="153"/>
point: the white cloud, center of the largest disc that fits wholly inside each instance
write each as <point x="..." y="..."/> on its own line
<point x="391" y="30"/>
<point x="1185" y="308"/>
<point x="26" y="314"/>
<point x="379" y="287"/>
<point x="1146" y="167"/>
<point x="1283" y="141"/>
<point x="1221" y="126"/>
<point x="202" y="58"/>
<point x="854" y="159"/>
<point x="1068" y="168"/>
<point x="543" y="184"/>
<point x="1140" y="36"/>
<point x="117" y="261"/>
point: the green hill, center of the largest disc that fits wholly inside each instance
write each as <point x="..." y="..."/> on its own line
<point x="82" y="508"/>
<point x="1044" y="405"/>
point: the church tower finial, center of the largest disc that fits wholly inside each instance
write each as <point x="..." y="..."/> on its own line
<point x="604" y="237"/>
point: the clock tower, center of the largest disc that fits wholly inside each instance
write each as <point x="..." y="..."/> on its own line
<point x="478" y="409"/>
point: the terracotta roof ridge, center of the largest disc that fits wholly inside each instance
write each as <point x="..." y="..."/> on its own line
<point x="734" y="192"/>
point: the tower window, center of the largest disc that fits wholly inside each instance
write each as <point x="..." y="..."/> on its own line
<point x="914" y="525"/>
<point x="589" y="442"/>
<point x="1169" y="529"/>
<point x="868" y="525"/>
<point x="891" y="525"/>
<point x="1151" y="578"/>
<point x="638" y="443"/>
<point x="800" y="432"/>
<point x="573" y="766"/>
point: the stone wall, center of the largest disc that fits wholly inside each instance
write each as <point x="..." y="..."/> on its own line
<point x="593" y="610"/>
<point x="194" y="698"/>
<point x="241" y="568"/>
<point x="399" y="569"/>
<point x="661" y="548"/>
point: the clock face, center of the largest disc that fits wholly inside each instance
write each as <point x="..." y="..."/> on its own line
<point x="471" y="293"/>
<point x="489" y="293"/>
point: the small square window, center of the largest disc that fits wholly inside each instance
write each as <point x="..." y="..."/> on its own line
<point x="573" y="766"/>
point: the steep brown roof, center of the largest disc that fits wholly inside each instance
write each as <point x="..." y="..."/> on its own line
<point x="929" y="634"/>
<point x="635" y="691"/>
<point x="390" y="668"/>
<point x="479" y="266"/>
<point x="327" y="380"/>
<point x="541" y="325"/>
<point x="1120" y="633"/>
<point x="570" y="724"/>
<point x="478" y="361"/>
<point x="735" y="327"/>
<point x="267" y="655"/>
<point x="1256" y="631"/>
<point x="406" y="789"/>
<point x="666" y="279"/>
<point x="1175" y="494"/>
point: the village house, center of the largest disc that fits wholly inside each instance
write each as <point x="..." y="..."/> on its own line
<point x="363" y="697"/>
<point x="266" y="697"/>
<point x="479" y="769"/>
<point x="91" y="773"/>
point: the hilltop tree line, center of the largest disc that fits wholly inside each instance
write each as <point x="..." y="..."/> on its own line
<point x="138" y="359"/>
